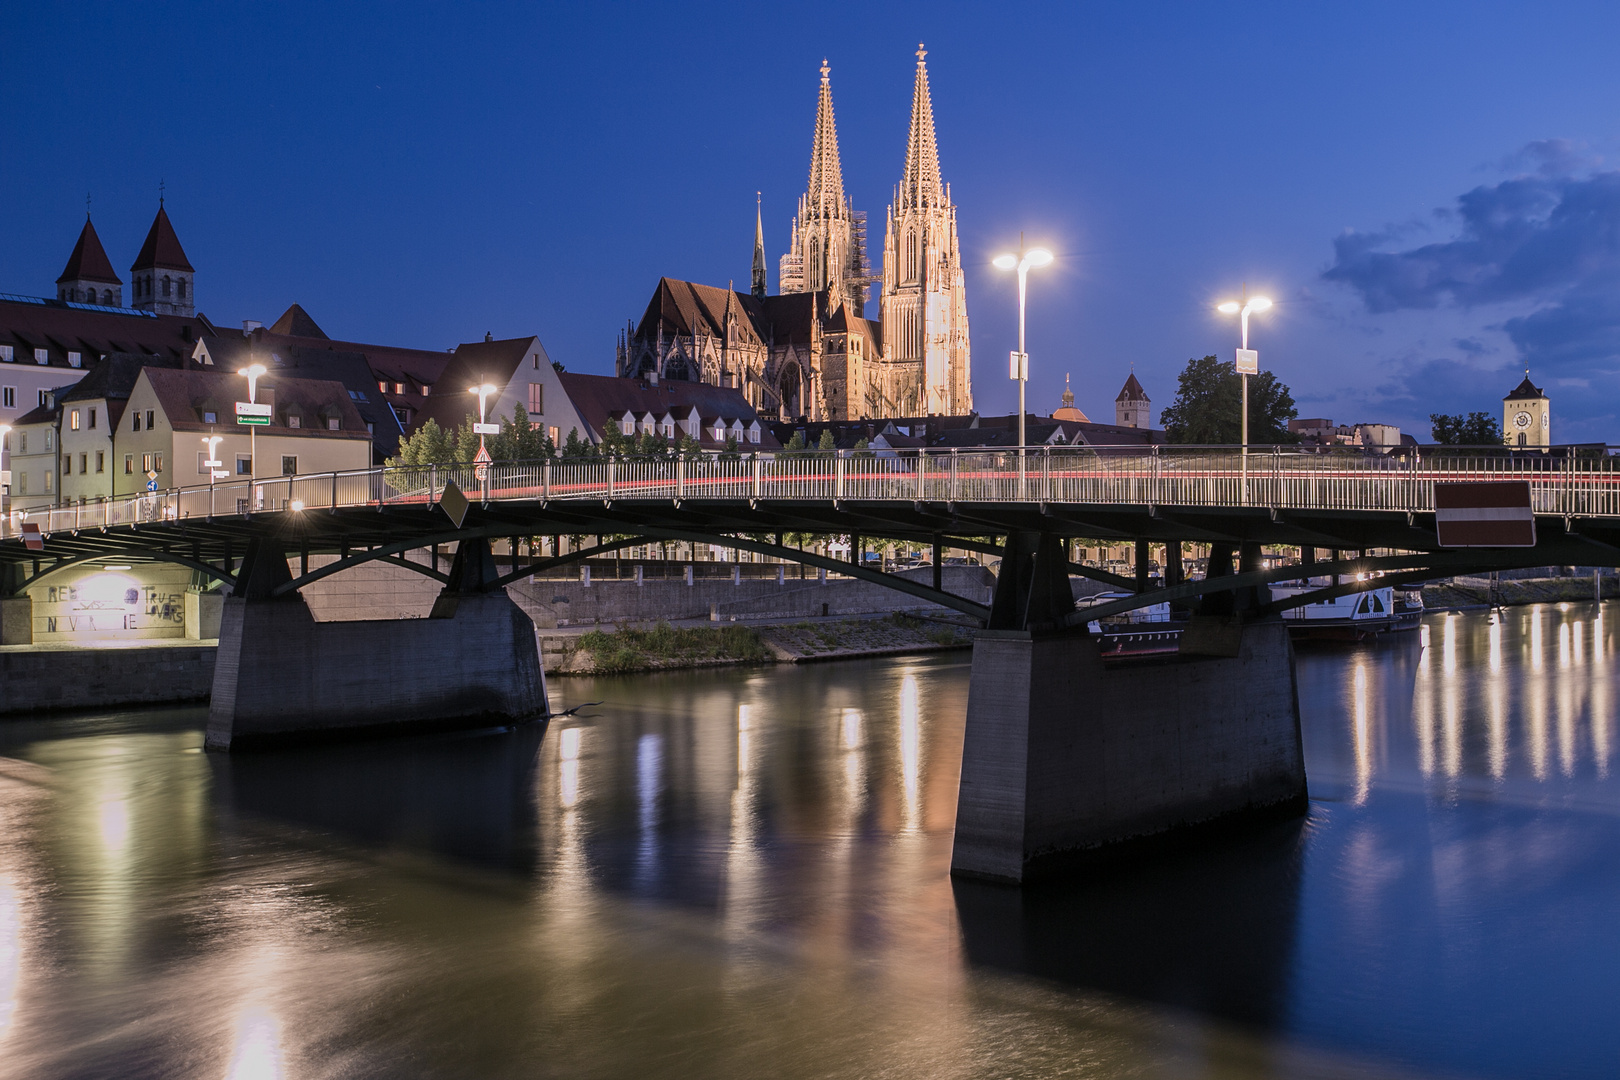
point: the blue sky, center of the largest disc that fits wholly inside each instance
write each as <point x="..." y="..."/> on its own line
<point x="1428" y="191"/>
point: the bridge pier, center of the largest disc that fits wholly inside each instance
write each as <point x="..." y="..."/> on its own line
<point x="283" y="677"/>
<point x="1067" y="761"/>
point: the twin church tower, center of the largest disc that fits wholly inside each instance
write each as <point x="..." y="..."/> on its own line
<point x="810" y="351"/>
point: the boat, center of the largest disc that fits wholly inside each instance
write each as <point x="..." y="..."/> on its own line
<point x="1145" y="631"/>
<point x="1357" y="617"/>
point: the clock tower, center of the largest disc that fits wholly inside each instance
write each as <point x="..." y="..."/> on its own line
<point x="1526" y="418"/>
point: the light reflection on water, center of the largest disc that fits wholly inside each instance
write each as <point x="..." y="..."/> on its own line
<point x="743" y="873"/>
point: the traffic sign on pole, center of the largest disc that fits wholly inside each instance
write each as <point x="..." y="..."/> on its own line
<point x="481" y="464"/>
<point x="486" y="429"/>
<point x="1484" y="513"/>
<point x="1248" y="362"/>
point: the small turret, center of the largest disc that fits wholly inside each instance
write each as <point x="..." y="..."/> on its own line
<point x="161" y="279"/>
<point x="1132" y="407"/>
<point x="759" y="250"/>
<point x="88" y="277"/>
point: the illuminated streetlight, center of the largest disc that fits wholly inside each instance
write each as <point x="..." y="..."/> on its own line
<point x="1248" y="363"/>
<point x="481" y="462"/>
<point x="1019" y="366"/>
<point x="253" y="371"/>
<point x="212" y="464"/>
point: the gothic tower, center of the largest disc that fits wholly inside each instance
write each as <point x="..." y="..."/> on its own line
<point x="828" y="248"/>
<point x="758" y="288"/>
<point x="88" y="277"/>
<point x="925" y="323"/>
<point x="161" y="279"/>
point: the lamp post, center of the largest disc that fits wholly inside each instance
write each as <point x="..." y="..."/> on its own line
<point x="1248" y="363"/>
<point x="1018" y="368"/>
<point x="212" y="463"/>
<point x="253" y="372"/>
<point x="481" y="462"/>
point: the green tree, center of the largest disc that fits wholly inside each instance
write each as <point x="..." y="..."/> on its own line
<point x="827" y="442"/>
<point x="576" y="448"/>
<point x="1209" y="403"/>
<point x="1471" y="429"/>
<point x="794" y="445"/>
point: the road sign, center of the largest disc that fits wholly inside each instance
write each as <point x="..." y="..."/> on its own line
<point x="151" y="485"/>
<point x="1248" y="362"/>
<point x="220" y="474"/>
<point x="486" y="429"/>
<point x="31" y="538"/>
<point x="481" y="462"/>
<point x="212" y="464"/>
<point x="1484" y="513"/>
<point x="1017" y="365"/>
<point x="453" y="503"/>
<point x="248" y="412"/>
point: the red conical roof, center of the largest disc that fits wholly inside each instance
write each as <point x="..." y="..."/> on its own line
<point x="89" y="260"/>
<point x="162" y="249"/>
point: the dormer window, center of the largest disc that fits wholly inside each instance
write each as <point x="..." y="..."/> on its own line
<point x="210" y="418"/>
<point x="75" y="359"/>
<point x="332" y="423"/>
<point x="42" y="356"/>
<point x="294" y="420"/>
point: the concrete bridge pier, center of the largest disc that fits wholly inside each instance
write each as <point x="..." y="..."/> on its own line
<point x="1068" y="761"/>
<point x="283" y="677"/>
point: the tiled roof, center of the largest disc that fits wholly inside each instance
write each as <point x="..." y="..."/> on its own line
<point x="598" y="397"/>
<point x="114" y="377"/>
<point x="89" y="260"/>
<point x="162" y="248"/>
<point x="1133" y="390"/>
<point x="295" y="322"/>
<point x="186" y="394"/>
<point x="473" y="364"/>
<point x="29" y="323"/>
<point x="1526" y="389"/>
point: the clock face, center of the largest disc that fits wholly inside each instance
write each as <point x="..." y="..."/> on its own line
<point x="1521" y="420"/>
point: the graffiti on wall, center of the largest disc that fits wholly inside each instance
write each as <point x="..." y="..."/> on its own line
<point x="114" y="604"/>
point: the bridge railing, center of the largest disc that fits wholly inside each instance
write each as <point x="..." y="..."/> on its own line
<point x="1564" y="484"/>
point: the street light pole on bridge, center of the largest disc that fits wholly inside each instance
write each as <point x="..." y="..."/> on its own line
<point x="1019" y="366"/>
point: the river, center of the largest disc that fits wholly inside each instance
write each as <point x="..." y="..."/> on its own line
<point x="743" y="872"/>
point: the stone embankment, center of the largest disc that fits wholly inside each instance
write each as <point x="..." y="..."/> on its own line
<point x="1470" y="592"/>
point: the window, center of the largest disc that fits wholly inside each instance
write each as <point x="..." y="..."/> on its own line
<point x="294" y="420"/>
<point x="210" y="418"/>
<point x="22" y="442"/>
<point x="203" y="468"/>
<point x="553" y="433"/>
<point x="166" y="283"/>
<point x="146" y="463"/>
<point x="50" y="439"/>
<point x="42" y="356"/>
<point x="537" y="399"/>
<point x="92" y="424"/>
<point x="182" y="288"/>
<point x="157" y="462"/>
<point x="244" y="465"/>
<point x="106" y="297"/>
<point x="101" y="461"/>
<point x="289" y="465"/>
<point x="67" y="465"/>
<point x="537" y="361"/>
<point x="150" y="419"/>
<point x="137" y="424"/>
<point x="84" y="463"/>
<point x="22" y="483"/>
<point x="75" y="359"/>
<point x="129" y="464"/>
<point x="332" y="423"/>
<point x="382" y="386"/>
<point x="50" y="481"/>
<point x="8" y="397"/>
<point x="73" y="419"/>
<point x="44" y="397"/>
<point x="7" y="354"/>
<point x="399" y="388"/>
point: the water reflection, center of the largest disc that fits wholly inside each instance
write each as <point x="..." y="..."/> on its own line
<point x="744" y="873"/>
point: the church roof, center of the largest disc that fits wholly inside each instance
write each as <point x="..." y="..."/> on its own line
<point x="295" y="322"/>
<point x="1526" y="389"/>
<point x="920" y="183"/>
<point x="162" y="248"/>
<point x="89" y="260"/>
<point x="685" y="307"/>
<point x="596" y="398"/>
<point x="1133" y="390"/>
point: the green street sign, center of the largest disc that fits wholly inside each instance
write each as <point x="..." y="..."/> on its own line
<point x="253" y="421"/>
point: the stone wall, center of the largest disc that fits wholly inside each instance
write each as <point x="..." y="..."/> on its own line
<point x="39" y="679"/>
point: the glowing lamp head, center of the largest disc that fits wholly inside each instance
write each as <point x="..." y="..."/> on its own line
<point x="252" y="371"/>
<point x="1231" y="307"/>
<point x="1004" y="262"/>
<point x="1038" y="257"/>
<point x="1259" y="303"/>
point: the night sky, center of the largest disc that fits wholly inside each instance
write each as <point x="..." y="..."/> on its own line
<point x="1426" y="190"/>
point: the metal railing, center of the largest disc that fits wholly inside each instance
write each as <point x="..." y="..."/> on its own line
<point x="1169" y="476"/>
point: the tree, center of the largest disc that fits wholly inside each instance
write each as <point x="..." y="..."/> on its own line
<point x="1472" y="429"/>
<point x="1208" y="407"/>
<point x="795" y="444"/>
<point x="827" y="442"/>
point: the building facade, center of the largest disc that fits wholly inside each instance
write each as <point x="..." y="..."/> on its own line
<point x="1527" y="416"/>
<point x="1132" y="408"/>
<point x="810" y="353"/>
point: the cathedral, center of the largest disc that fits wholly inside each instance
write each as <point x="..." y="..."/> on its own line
<point x="809" y="351"/>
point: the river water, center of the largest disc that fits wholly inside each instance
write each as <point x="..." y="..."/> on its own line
<point x="744" y="873"/>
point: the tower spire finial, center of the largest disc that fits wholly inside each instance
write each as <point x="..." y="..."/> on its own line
<point x="161" y="185"/>
<point x="758" y="284"/>
<point x="921" y="53"/>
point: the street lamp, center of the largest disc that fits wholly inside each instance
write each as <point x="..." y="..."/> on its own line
<point x="481" y="462"/>
<point x="1018" y="368"/>
<point x="1248" y="363"/>
<point x="483" y="391"/>
<point x="212" y="464"/>
<point x="253" y="371"/>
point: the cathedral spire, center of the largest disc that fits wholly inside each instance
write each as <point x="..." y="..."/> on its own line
<point x="920" y="184"/>
<point x="826" y="191"/>
<point x="759" y="250"/>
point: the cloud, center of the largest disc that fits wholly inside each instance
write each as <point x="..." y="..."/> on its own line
<point x="1535" y="257"/>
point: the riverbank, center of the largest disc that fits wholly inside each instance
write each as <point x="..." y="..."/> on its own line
<point x="1472" y="592"/>
<point x="663" y="647"/>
